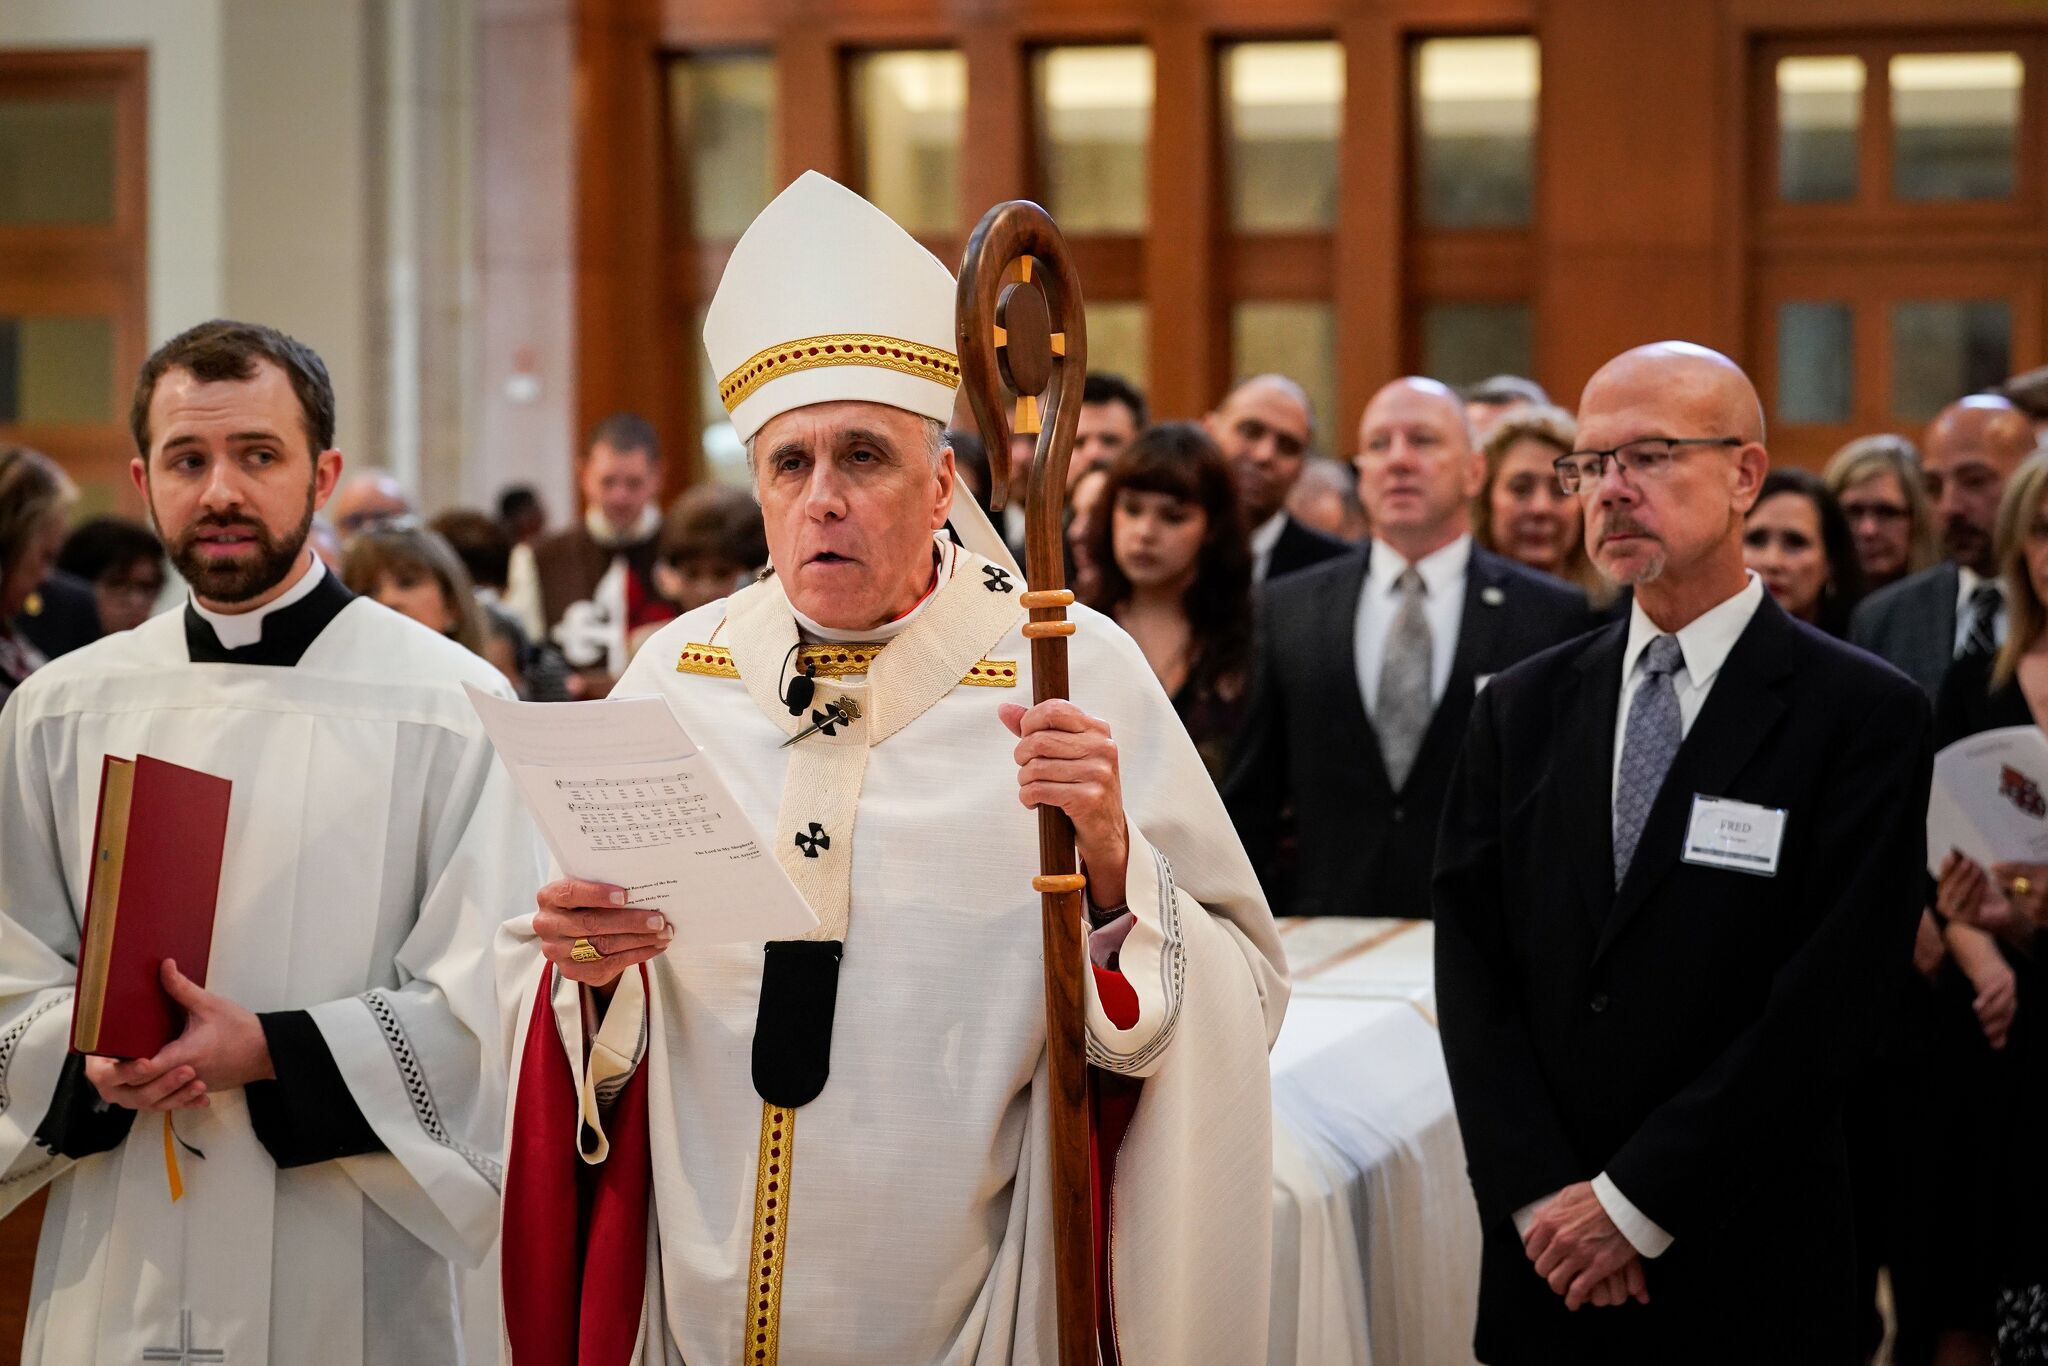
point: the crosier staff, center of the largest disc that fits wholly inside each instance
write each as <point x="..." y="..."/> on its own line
<point x="1029" y="334"/>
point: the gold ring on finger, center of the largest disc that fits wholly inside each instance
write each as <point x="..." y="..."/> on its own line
<point x="583" y="951"/>
<point x="2022" y="885"/>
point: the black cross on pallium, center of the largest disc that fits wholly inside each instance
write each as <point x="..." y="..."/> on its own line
<point x="825" y="720"/>
<point x="814" y="841"/>
<point x="998" y="578"/>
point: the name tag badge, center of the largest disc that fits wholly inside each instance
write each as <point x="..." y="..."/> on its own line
<point x="1734" y="835"/>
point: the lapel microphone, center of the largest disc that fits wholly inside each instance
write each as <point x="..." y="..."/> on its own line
<point x="798" y="692"/>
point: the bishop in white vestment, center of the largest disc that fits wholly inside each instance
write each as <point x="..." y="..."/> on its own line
<point x="836" y="1151"/>
<point x="373" y="846"/>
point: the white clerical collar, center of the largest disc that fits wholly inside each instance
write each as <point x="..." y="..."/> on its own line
<point x="1705" y="640"/>
<point x="1442" y="570"/>
<point x="608" y="536"/>
<point x="1266" y="535"/>
<point x="239" y="630"/>
<point x="948" y="558"/>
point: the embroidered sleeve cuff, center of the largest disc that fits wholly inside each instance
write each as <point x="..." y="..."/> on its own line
<point x="306" y="1114"/>
<point x="616" y="1049"/>
<point x="1149" y="962"/>
<point x="1641" y="1231"/>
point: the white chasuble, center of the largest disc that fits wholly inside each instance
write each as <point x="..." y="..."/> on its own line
<point x="914" y="1224"/>
<point x="373" y="847"/>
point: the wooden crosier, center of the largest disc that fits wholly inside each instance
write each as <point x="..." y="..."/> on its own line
<point x="1029" y="334"/>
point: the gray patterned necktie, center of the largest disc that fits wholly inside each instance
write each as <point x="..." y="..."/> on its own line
<point x="1647" y="747"/>
<point x="1402" y="709"/>
<point x="1981" y="637"/>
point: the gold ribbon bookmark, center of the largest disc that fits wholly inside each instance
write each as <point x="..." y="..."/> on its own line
<point x="177" y="1183"/>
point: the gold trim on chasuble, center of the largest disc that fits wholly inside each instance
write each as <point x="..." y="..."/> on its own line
<point x="822" y="785"/>
<point x="838" y="348"/>
<point x="836" y="661"/>
<point x="771" y="1232"/>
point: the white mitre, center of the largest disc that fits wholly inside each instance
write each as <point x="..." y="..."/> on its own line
<point x="825" y="298"/>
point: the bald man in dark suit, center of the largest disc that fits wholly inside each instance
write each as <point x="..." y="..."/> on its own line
<point x="1677" y="882"/>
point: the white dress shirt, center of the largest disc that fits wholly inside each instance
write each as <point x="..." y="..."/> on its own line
<point x="1264" y="537"/>
<point x="1443" y="579"/>
<point x="1968" y="581"/>
<point x="239" y="630"/>
<point x="1704" y="643"/>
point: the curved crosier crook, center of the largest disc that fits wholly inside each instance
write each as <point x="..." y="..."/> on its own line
<point x="1028" y="333"/>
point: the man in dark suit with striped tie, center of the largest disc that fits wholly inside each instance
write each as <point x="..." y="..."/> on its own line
<point x="1677" y="879"/>
<point x="1366" y="666"/>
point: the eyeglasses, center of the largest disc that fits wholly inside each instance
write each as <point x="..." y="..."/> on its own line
<point x="1884" y="514"/>
<point x="1649" y="458"/>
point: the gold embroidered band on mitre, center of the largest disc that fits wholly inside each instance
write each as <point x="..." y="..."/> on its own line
<point x="838" y="348"/>
<point x="836" y="661"/>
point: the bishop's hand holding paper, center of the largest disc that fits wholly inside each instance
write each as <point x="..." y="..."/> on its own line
<point x="1065" y="758"/>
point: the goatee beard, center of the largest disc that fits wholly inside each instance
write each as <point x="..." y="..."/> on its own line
<point x="236" y="583"/>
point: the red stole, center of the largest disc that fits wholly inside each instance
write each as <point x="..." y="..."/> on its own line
<point x="574" y="1250"/>
<point x="574" y="1270"/>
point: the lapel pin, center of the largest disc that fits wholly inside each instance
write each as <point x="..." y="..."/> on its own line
<point x="1492" y="596"/>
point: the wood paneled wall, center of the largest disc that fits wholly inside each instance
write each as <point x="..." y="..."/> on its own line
<point x="1644" y="226"/>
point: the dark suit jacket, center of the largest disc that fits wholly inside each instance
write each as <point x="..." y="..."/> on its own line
<point x="1301" y="546"/>
<point x="69" y="617"/>
<point x="1692" y="1034"/>
<point x="1363" y="848"/>
<point x="1911" y="624"/>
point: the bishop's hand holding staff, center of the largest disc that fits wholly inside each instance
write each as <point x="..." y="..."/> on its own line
<point x="835" y="1149"/>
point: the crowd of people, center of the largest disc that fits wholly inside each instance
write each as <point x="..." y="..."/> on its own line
<point x="1324" y="629"/>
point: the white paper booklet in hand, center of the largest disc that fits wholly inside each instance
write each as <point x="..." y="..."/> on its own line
<point x="623" y="795"/>
<point x="1990" y="799"/>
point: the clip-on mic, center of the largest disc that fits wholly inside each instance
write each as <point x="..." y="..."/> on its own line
<point x="798" y="692"/>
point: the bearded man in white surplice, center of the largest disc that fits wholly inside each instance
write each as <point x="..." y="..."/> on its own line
<point x="334" y="1104"/>
<point x="836" y="1150"/>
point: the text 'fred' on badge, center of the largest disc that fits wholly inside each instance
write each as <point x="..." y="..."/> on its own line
<point x="1736" y="835"/>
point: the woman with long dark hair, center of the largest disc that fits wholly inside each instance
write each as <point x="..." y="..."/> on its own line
<point x="1173" y="568"/>
<point x="1800" y="543"/>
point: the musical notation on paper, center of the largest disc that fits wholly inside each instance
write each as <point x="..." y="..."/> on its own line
<point x="624" y="796"/>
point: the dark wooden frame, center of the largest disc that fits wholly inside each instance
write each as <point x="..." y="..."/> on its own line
<point x="1873" y="251"/>
<point x="94" y="269"/>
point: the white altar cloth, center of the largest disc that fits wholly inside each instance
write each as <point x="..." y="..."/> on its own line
<point x="1375" y="1235"/>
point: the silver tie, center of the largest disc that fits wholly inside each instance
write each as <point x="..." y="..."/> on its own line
<point x="1647" y="747"/>
<point x="1402" y="710"/>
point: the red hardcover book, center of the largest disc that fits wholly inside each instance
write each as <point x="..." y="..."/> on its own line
<point x="155" y="876"/>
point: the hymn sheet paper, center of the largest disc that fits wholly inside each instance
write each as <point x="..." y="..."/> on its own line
<point x="623" y="795"/>
<point x="1990" y="798"/>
